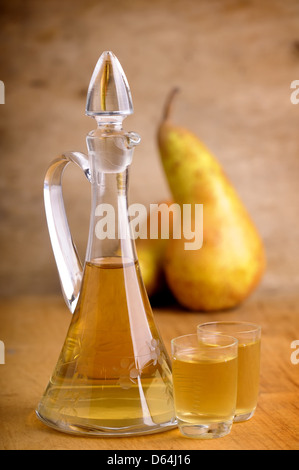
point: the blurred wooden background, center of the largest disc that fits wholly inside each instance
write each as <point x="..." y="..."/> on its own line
<point x="234" y="62"/>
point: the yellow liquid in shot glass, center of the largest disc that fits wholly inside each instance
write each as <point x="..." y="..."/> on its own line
<point x="248" y="376"/>
<point x="205" y="388"/>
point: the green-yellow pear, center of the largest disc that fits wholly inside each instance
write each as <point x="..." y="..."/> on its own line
<point x="151" y="252"/>
<point x="150" y="257"/>
<point x="231" y="261"/>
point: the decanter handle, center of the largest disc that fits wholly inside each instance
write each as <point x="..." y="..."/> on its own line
<point x="66" y="256"/>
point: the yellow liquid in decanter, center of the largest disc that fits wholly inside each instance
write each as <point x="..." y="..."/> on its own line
<point x="109" y="375"/>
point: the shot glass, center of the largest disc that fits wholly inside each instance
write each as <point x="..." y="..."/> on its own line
<point x="205" y="370"/>
<point x="249" y="345"/>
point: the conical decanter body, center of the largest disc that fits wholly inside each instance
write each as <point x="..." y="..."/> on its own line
<point x="113" y="375"/>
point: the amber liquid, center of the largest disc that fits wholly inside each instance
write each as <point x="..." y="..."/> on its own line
<point x="113" y="373"/>
<point x="248" y="376"/>
<point x="205" y="388"/>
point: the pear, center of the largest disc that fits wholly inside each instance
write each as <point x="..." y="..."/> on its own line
<point x="230" y="264"/>
<point x="151" y="252"/>
<point x="150" y="256"/>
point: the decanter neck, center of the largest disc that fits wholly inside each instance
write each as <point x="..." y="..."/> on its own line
<point x="110" y="152"/>
<point x="110" y="233"/>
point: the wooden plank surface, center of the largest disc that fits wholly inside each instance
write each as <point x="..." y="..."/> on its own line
<point x="33" y="330"/>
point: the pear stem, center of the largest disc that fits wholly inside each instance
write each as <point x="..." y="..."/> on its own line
<point x="169" y="103"/>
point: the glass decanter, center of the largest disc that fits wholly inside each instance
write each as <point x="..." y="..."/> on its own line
<point x="113" y="375"/>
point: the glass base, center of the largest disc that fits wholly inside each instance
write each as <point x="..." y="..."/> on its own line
<point x="205" y="431"/>
<point x="91" y="430"/>
<point x="243" y="417"/>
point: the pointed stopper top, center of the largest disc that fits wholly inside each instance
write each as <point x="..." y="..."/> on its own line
<point x="109" y="92"/>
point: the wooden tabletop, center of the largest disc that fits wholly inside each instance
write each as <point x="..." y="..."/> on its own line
<point x="33" y="330"/>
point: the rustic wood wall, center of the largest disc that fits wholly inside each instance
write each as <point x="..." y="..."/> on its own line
<point x="234" y="62"/>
